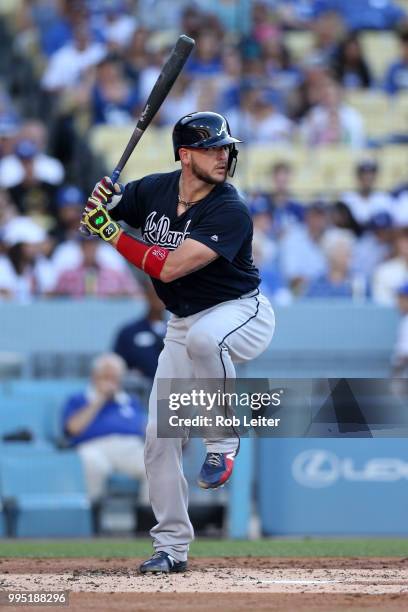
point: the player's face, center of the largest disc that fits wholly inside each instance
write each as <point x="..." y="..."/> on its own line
<point x="210" y="165"/>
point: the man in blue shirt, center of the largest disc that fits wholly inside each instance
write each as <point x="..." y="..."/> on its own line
<point x="140" y="342"/>
<point x="396" y="78"/>
<point x="364" y="14"/>
<point x="106" y="426"/>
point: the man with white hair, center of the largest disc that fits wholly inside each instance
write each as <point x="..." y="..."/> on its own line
<point x="106" y="426"/>
<point x="337" y="246"/>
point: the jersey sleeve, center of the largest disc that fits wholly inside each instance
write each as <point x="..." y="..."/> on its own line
<point x="129" y="206"/>
<point x="224" y="230"/>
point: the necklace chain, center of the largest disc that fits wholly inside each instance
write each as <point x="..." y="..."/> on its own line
<point x="186" y="204"/>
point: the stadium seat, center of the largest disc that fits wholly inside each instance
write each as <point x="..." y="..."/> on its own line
<point x="29" y="414"/>
<point x="403" y="4"/>
<point x="380" y="49"/>
<point x="45" y="498"/>
<point x="36" y="405"/>
<point x="10" y="7"/>
<point x="398" y="117"/>
<point x="257" y="162"/>
<point x="375" y="109"/>
<point x="393" y="162"/>
<point x="50" y="388"/>
<point x="120" y="485"/>
<point x="154" y="154"/>
<point x="300" y="44"/>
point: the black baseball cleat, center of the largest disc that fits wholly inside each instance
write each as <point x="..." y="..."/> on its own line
<point x="162" y="562"/>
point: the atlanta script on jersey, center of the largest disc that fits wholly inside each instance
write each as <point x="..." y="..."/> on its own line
<point x="221" y="221"/>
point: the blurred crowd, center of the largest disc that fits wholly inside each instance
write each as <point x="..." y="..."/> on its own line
<point x="95" y="61"/>
<point x="355" y="247"/>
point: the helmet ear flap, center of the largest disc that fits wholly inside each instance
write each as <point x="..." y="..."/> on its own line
<point x="232" y="160"/>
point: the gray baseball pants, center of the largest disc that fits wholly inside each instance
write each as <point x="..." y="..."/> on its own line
<point x="203" y="345"/>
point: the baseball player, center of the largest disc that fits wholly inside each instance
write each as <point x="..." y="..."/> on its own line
<point x="197" y="248"/>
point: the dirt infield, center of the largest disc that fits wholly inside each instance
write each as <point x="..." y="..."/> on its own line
<point x="235" y="583"/>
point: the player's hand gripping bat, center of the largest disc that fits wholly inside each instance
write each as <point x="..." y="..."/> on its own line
<point x="161" y="88"/>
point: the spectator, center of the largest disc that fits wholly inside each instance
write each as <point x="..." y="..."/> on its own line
<point x="265" y="253"/>
<point x="31" y="179"/>
<point x="70" y="202"/>
<point x="228" y="84"/>
<point x="400" y="356"/>
<point x="151" y="13"/>
<point x="263" y="24"/>
<point x="69" y="255"/>
<point x="114" y="100"/>
<point x="294" y="14"/>
<point x="332" y="121"/>
<point x="233" y="16"/>
<point x="282" y="72"/>
<point x="366" y="201"/>
<point x="90" y="278"/>
<point x="206" y="60"/>
<point x="341" y="216"/>
<point x="106" y="426"/>
<point x="24" y="274"/>
<point x="46" y="168"/>
<point x="261" y="213"/>
<point x="374" y="246"/>
<point x="116" y="24"/>
<point x="328" y="29"/>
<point x="365" y="14"/>
<point x="181" y="99"/>
<point x="396" y="78"/>
<point x="8" y="133"/>
<point x="70" y="63"/>
<point x="47" y="22"/>
<point x="136" y="56"/>
<point x="306" y="96"/>
<point x="286" y="209"/>
<point x="349" y="65"/>
<point x="399" y="207"/>
<point x="393" y="273"/>
<point x="8" y="210"/>
<point x="258" y="121"/>
<point x="337" y="246"/>
<point x="300" y="255"/>
<point x="140" y="343"/>
<point x="277" y="210"/>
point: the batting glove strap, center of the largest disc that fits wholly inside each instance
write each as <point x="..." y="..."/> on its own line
<point x="99" y="222"/>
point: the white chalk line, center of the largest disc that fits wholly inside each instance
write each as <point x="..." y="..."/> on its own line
<point x="298" y="581"/>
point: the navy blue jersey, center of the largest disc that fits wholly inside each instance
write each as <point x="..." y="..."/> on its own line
<point x="221" y="221"/>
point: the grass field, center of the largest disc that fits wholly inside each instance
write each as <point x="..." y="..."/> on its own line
<point x="308" y="547"/>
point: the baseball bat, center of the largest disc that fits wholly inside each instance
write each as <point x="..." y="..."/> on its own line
<point x="161" y="88"/>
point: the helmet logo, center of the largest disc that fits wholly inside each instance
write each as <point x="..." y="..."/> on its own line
<point x="223" y="128"/>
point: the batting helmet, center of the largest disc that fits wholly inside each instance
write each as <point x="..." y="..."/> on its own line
<point x="203" y="130"/>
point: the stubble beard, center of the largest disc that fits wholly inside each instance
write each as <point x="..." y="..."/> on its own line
<point x="205" y="176"/>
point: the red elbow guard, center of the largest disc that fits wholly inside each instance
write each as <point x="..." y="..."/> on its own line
<point x="148" y="258"/>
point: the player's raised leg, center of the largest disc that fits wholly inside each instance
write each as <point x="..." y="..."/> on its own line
<point x="239" y="331"/>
